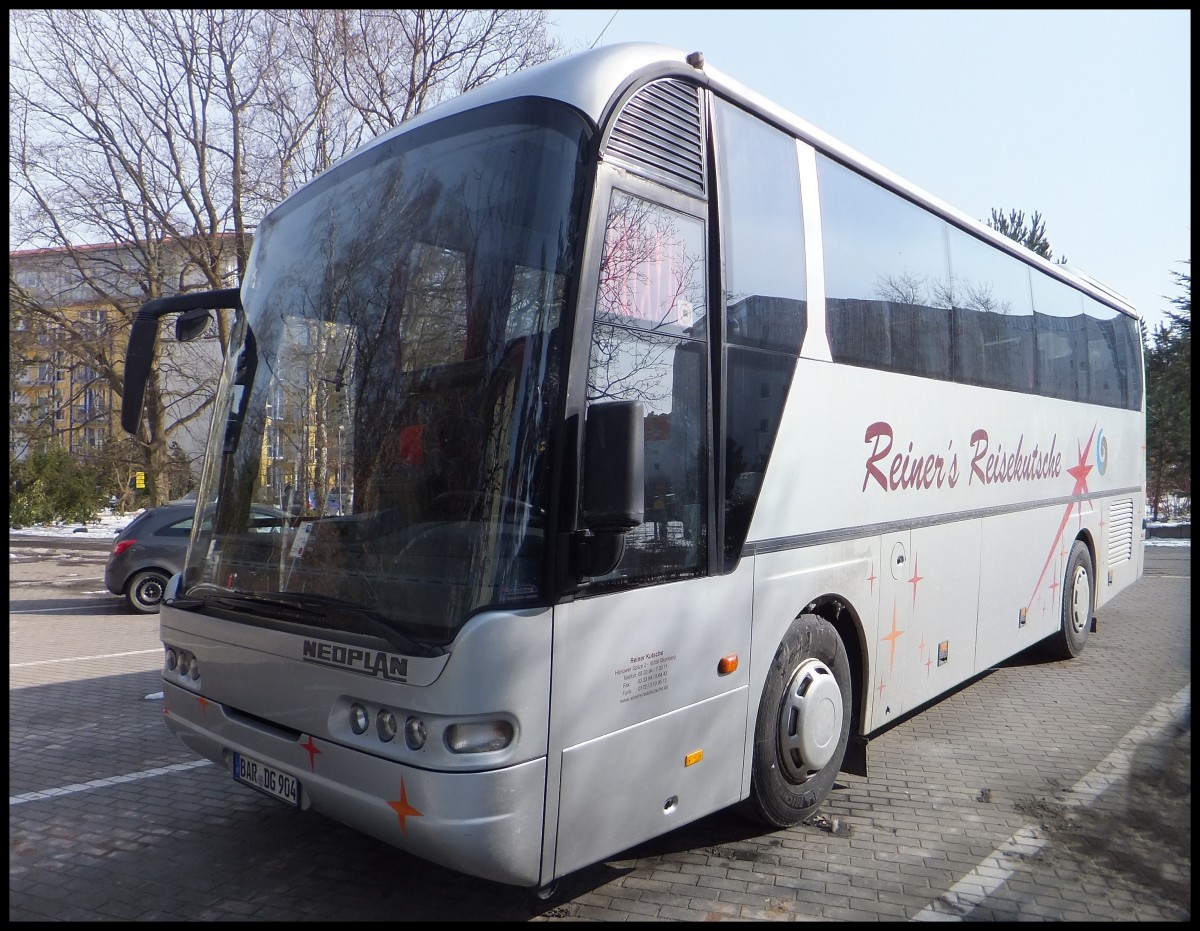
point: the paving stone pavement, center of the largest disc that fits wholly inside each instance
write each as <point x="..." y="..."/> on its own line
<point x="1041" y="791"/>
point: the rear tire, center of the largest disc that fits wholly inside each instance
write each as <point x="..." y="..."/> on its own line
<point x="145" y="590"/>
<point x="1079" y="600"/>
<point x="803" y="724"/>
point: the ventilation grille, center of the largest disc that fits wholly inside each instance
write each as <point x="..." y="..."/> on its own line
<point x="1120" y="531"/>
<point x="659" y="131"/>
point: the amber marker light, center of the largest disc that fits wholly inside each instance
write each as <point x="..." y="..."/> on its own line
<point x="694" y="757"/>
<point x="727" y="664"/>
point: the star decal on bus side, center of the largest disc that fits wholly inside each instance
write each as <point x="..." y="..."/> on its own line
<point x="403" y="809"/>
<point x="313" y="750"/>
<point x="915" y="579"/>
<point x="1079" y="472"/>
<point x="871" y="578"/>
<point x="894" y="635"/>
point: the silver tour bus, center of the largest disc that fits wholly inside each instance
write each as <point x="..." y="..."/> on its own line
<point x="643" y="451"/>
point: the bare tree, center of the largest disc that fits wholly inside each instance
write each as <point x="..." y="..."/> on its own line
<point x="389" y="65"/>
<point x="167" y="133"/>
<point x="127" y="132"/>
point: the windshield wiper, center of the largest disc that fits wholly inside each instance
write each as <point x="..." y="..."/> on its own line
<point x="324" y="606"/>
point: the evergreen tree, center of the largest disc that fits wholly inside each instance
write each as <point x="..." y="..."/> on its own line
<point x="1169" y="404"/>
<point x="1032" y="237"/>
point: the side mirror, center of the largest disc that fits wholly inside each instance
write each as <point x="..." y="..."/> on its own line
<point x="191" y="324"/>
<point x="614" y="470"/>
<point x="144" y="333"/>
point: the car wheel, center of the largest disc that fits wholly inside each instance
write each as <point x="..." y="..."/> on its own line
<point x="145" y="590"/>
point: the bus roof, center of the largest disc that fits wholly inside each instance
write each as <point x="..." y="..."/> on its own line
<point x="594" y="81"/>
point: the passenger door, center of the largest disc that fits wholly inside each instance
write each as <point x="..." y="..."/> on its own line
<point x="646" y="728"/>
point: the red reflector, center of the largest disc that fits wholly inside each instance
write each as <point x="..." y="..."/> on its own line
<point x="122" y="547"/>
<point x="727" y="664"/>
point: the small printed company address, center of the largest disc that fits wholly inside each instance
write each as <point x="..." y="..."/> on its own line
<point x="645" y="675"/>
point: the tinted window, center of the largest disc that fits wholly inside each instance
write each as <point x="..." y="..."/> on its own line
<point x="908" y="292"/>
<point x="993" y="316"/>
<point x="886" y="276"/>
<point x="652" y="283"/>
<point x="1060" y="334"/>
<point x="1114" y="360"/>
<point x="765" y="287"/>
<point x="765" y="301"/>
<point x="181" y="528"/>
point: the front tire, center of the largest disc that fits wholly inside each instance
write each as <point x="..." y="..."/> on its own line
<point x="144" y="592"/>
<point x="803" y="724"/>
<point x="1079" y="600"/>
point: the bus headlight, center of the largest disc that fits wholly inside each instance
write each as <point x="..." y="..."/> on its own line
<point x="385" y="725"/>
<point x="479" y="737"/>
<point x="414" y="733"/>
<point x="359" y="719"/>
<point x="172" y="659"/>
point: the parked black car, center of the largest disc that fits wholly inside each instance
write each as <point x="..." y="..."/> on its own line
<point x="151" y="549"/>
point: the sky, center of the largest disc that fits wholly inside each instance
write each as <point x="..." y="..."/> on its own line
<point x="1083" y="116"/>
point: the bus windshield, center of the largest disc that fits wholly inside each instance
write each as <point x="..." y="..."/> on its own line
<point x="392" y="383"/>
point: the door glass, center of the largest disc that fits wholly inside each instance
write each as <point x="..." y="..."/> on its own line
<point x="649" y="343"/>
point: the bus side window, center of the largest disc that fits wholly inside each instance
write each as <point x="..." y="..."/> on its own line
<point x="766" y="308"/>
<point x="649" y="343"/>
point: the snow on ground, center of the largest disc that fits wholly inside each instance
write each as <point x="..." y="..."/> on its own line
<point x="1168" y="541"/>
<point x="109" y="524"/>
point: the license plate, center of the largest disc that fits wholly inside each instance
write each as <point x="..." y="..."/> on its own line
<point x="266" y="779"/>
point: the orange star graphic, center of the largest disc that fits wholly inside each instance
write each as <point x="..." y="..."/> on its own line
<point x="403" y="809"/>
<point x="893" y="637"/>
<point x="914" y="580"/>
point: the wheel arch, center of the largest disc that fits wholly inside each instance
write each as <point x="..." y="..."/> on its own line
<point x="1085" y="537"/>
<point x="847" y="622"/>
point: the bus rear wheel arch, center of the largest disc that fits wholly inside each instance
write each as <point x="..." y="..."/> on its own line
<point x="1079" y="602"/>
<point x="803" y="724"/>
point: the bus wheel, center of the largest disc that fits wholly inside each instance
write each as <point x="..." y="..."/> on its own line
<point x="1078" y="601"/>
<point x="803" y="724"/>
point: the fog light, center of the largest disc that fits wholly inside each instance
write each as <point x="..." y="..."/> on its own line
<point x="359" y="719"/>
<point x="414" y="733"/>
<point x="480" y="737"/>
<point x="385" y="724"/>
